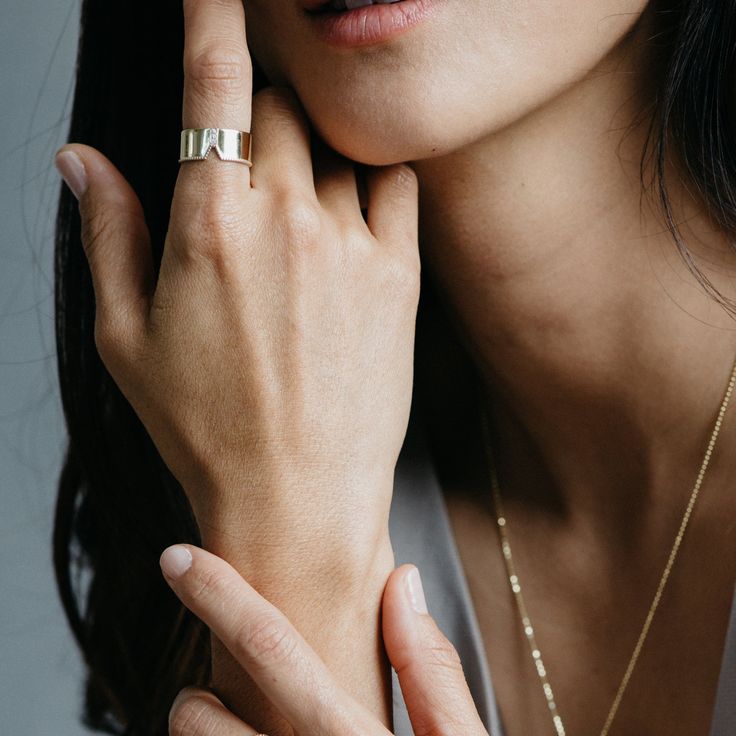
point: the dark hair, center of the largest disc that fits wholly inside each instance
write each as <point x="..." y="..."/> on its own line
<point x="118" y="505"/>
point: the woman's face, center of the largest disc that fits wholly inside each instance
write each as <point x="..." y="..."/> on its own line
<point x="467" y="70"/>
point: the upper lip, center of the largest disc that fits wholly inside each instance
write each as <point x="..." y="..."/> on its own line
<point x="314" y="6"/>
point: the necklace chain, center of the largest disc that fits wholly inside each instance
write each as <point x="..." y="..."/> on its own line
<point x="513" y="577"/>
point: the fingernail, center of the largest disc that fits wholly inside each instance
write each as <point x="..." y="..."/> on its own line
<point x="72" y="170"/>
<point x="175" y="561"/>
<point x="415" y="591"/>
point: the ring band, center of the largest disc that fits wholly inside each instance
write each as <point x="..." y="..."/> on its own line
<point x="196" y="144"/>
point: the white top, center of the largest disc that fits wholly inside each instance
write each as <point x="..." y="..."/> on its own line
<point x="421" y="533"/>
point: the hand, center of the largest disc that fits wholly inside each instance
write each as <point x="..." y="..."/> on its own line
<point x="271" y="362"/>
<point x="295" y="679"/>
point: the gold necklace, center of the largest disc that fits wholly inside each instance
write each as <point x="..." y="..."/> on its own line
<point x="513" y="576"/>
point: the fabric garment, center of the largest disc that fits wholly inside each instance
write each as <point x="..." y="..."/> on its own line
<point x="421" y="533"/>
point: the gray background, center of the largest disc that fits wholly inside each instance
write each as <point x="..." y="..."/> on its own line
<point x="40" y="670"/>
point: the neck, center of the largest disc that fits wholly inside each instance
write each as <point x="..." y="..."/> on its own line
<point x="604" y="357"/>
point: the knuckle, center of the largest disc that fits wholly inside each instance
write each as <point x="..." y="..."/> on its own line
<point x="443" y="655"/>
<point x="266" y="642"/>
<point x="108" y="224"/>
<point x="404" y="276"/>
<point x="219" y="68"/>
<point x="404" y="179"/>
<point x="192" y="716"/>
<point x="112" y="337"/>
<point x="209" y="586"/>
<point x="218" y="220"/>
<point x="97" y="229"/>
<point x="216" y="254"/>
<point x="106" y="337"/>
<point x="299" y="218"/>
<point x="214" y="234"/>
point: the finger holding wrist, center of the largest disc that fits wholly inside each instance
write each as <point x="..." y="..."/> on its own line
<point x="436" y="693"/>
<point x="265" y="643"/>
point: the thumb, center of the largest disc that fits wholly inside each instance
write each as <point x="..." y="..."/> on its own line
<point x="431" y="676"/>
<point x="115" y="236"/>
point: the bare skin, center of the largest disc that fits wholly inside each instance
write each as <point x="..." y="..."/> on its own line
<point x="606" y="365"/>
<point x="608" y="358"/>
<point x="292" y="675"/>
<point x="588" y="597"/>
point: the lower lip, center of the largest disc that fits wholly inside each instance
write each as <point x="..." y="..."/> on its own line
<point x="370" y="24"/>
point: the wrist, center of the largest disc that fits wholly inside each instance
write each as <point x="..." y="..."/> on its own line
<point x="280" y="554"/>
<point x="279" y="516"/>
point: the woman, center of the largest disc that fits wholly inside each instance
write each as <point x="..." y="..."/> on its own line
<point x="546" y="162"/>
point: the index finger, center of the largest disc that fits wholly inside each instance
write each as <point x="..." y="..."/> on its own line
<point x="266" y="644"/>
<point x="218" y="77"/>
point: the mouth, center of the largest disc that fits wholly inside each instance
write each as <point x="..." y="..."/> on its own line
<point x="353" y="23"/>
<point x="319" y="7"/>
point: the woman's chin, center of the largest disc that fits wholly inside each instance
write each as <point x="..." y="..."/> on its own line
<point x="367" y="146"/>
